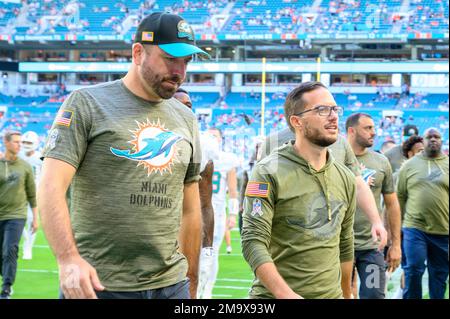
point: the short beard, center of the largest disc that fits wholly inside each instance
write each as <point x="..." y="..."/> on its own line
<point x="318" y="139"/>
<point x="154" y="82"/>
<point x="363" y="143"/>
<point x="433" y="152"/>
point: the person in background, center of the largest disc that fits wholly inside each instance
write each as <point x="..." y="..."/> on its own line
<point x="423" y="195"/>
<point x="17" y="191"/>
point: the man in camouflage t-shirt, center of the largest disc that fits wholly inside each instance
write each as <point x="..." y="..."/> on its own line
<point x="131" y="154"/>
<point x="376" y="171"/>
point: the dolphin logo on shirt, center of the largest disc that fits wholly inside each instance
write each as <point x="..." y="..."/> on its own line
<point x="160" y="144"/>
<point x="154" y="147"/>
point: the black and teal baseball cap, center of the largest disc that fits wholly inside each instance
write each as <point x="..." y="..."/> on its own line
<point x="170" y="32"/>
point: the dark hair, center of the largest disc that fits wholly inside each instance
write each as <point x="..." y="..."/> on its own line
<point x="8" y="135"/>
<point x="180" y="90"/>
<point x="409" y="144"/>
<point x="294" y="103"/>
<point x="353" y="120"/>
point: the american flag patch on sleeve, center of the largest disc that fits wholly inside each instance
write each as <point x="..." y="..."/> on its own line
<point x="64" y="118"/>
<point x="257" y="189"/>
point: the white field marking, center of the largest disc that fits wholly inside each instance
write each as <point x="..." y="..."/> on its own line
<point x="38" y="270"/>
<point x="231" y="287"/>
<point x="230" y="255"/>
<point x="235" y="280"/>
<point x="41" y="246"/>
<point x="221" y="296"/>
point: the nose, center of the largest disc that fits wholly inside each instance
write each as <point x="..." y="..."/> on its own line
<point x="333" y="115"/>
<point x="179" y="68"/>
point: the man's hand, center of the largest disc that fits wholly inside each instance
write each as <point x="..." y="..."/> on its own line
<point x="379" y="234"/>
<point x="231" y="221"/>
<point x="78" y="279"/>
<point x="371" y="181"/>
<point x="394" y="257"/>
<point x="290" y="295"/>
<point x="34" y="226"/>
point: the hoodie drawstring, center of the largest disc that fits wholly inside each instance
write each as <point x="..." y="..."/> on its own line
<point x="325" y="191"/>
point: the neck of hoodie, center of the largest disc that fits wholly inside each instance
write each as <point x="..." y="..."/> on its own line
<point x="314" y="154"/>
<point x="10" y="157"/>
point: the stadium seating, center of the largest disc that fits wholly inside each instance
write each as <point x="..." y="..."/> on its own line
<point x="248" y="16"/>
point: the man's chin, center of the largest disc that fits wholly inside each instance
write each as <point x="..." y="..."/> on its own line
<point x="166" y="94"/>
<point x="325" y="142"/>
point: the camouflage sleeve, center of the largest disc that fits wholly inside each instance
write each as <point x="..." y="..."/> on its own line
<point x="346" y="244"/>
<point x="257" y="218"/>
<point x="388" y="186"/>
<point x="350" y="159"/>
<point x="193" y="170"/>
<point x="69" y="135"/>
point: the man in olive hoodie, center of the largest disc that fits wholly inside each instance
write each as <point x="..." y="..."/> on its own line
<point x="17" y="189"/>
<point x="423" y="196"/>
<point x="297" y="233"/>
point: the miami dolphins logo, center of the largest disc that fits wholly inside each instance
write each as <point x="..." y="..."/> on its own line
<point x="153" y="147"/>
<point x="185" y="30"/>
<point x="367" y="173"/>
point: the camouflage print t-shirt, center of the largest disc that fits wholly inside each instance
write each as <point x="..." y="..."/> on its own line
<point x="132" y="158"/>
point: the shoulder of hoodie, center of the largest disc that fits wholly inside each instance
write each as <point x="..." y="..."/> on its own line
<point x="285" y="134"/>
<point x="24" y="163"/>
<point x="345" y="171"/>
<point x="274" y="155"/>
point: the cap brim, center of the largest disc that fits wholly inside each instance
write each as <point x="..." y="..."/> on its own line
<point x="180" y="50"/>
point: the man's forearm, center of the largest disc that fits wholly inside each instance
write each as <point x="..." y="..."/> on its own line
<point x="190" y="237"/>
<point x="366" y="201"/>
<point x="346" y="279"/>
<point x="208" y="226"/>
<point x="205" y="189"/>
<point x="55" y="221"/>
<point x="272" y="280"/>
<point x="394" y="222"/>
<point x="35" y="213"/>
<point x="190" y="241"/>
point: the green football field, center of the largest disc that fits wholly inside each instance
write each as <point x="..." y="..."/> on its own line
<point x="38" y="278"/>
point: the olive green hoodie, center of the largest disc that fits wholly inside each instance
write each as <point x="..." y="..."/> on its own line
<point x="17" y="189"/>
<point x="423" y="193"/>
<point x="301" y="220"/>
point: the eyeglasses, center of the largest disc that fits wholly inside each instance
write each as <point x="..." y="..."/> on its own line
<point x="325" y="110"/>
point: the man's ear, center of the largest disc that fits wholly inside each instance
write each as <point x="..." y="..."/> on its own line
<point x="350" y="130"/>
<point x="295" y="121"/>
<point x="137" y="51"/>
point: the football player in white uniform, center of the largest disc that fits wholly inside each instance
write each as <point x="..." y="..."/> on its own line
<point x="29" y="153"/>
<point x="210" y="153"/>
<point x="224" y="179"/>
